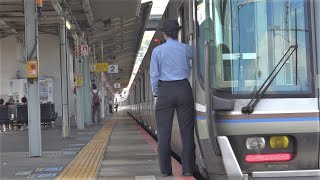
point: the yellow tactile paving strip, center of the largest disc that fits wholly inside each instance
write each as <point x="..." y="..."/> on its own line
<point x="86" y="164"/>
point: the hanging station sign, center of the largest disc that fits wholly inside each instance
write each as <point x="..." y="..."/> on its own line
<point x="99" y="67"/>
<point x="117" y="85"/>
<point x="113" y="68"/>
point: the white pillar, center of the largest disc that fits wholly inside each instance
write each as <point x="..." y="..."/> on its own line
<point x="78" y="70"/>
<point x="64" y="81"/>
<point x="31" y="41"/>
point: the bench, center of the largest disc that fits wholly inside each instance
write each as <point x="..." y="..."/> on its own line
<point x="17" y="114"/>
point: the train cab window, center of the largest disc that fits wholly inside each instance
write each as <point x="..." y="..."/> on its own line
<point x="249" y="38"/>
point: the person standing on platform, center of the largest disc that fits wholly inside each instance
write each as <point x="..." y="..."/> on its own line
<point x="110" y="106"/>
<point x="116" y="107"/>
<point x="95" y="103"/>
<point x="169" y="71"/>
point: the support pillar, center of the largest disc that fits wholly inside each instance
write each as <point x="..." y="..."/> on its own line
<point x="31" y="42"/>
<point x="78" y="71"/>
<point x="86" y="88"/>
<point x="94" y="53"/>
<point x="101" y="51"/>
<point x="64" y="80"/>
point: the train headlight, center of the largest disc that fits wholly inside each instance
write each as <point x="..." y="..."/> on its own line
<point x="277" y="142"/>
<point x="255" y="143"/>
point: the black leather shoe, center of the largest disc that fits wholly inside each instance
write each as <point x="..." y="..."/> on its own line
<point x="187" y="174"/>
<point x="166" y="175"/>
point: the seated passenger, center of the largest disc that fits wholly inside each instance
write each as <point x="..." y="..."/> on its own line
<point x="10" y="101"/>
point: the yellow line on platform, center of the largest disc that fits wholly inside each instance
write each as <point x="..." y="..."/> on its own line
<point x="86" y="164"/>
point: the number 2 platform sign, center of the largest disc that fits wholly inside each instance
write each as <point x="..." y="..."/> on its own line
<point x="113" y="68"/>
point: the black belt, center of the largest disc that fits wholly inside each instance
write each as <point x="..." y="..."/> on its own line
<point x="174" y="80"/>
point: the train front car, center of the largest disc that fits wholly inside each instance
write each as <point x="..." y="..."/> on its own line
<point x="263" y="84"/>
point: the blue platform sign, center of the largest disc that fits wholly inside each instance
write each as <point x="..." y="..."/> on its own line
<point x="69" y="152"/>
<point x="71" y="149"/>
<point x="49" y="175"/>
<point x="50" y="169"/>
<point x="76" y="144"/>
<point x="23" y="173"/>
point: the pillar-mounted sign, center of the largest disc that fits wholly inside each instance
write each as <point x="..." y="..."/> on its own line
<point x="32" y="69"/>
<point x="79" y="80"/>
<point x="84" y="50"/>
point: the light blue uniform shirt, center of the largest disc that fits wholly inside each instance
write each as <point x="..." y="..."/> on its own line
<point x="169" y="62"/>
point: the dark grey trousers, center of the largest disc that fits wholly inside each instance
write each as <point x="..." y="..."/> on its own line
<point x="95" y="111"/>
<point x="175" y="95"/>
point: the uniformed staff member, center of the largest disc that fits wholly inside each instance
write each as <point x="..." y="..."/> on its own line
<point x="170" y="70"/>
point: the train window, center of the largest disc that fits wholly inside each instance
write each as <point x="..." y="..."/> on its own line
<point x="249" y="38"/>
<point x="135" y="95"/>
<point x="140" y="91"/>
<point x="202" y="24"/>
<point x="144" y="87"/>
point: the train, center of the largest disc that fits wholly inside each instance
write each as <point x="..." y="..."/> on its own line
<point x="255" y="85"/>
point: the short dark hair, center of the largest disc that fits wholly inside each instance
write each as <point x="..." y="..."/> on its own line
<point x="173" y="35"/>
<point x="1" y="101"/>
<point x="94" y="86"/>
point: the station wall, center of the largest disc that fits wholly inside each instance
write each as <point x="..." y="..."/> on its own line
<point x="12" y="60"/>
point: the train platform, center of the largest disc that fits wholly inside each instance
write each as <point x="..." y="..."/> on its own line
<point x="118" y="149"/>
<point x="57" y="152"/>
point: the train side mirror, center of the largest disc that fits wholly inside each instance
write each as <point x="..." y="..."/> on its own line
<point x="221" y="104"/>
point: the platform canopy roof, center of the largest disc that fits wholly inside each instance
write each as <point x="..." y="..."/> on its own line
<point x="115" y="25"/>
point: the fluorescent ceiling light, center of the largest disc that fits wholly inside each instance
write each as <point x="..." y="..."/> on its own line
<point x="68" y="24"/>
<point x="146" y="40"/>
<point x="158" y="6"/>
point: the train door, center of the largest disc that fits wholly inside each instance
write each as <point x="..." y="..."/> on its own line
<point x="140" y="99"/>
<point x="143" y="91"/>
<point x="208" y="159"/>
<point x="183" y="21"/>
<point x="135" y="101"/>
<point x="175" y="136"/>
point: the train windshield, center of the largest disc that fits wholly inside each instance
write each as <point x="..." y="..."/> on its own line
<point x="248" y="39"/>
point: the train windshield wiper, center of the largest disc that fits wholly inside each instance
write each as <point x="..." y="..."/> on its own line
<point x="262" y="90"/>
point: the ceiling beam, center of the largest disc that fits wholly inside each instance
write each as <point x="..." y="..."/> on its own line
<point x="109" y="38"/>
<point x="11" y="1"/>
<point x="88" y="11"/>
<point x="104" y="32"/>
<point x="21" y="18"/>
